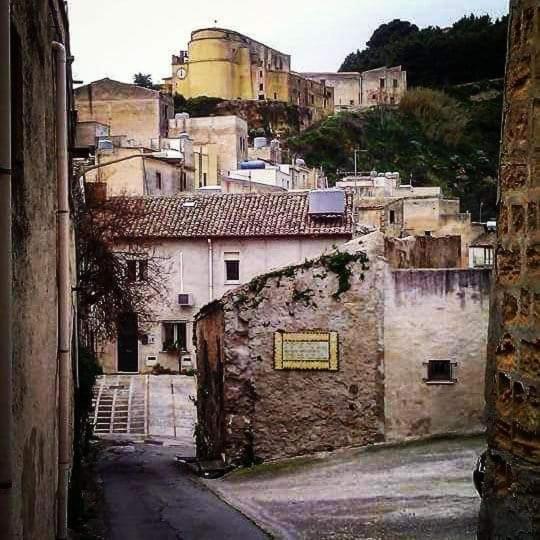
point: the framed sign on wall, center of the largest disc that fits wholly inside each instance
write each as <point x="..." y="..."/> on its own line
<point x="308" y="350"/>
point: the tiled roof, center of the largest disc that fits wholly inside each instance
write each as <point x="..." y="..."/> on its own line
<point x="227" y="215"/>
<point x="486" y="239"/>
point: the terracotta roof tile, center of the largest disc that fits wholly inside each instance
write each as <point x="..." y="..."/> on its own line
<point x="227" y="215"/>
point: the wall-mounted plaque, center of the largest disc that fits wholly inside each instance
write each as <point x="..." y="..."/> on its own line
<point x="306" y="350"/>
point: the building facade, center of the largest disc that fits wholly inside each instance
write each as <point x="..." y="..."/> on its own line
<point x="139" y="171"/>
<point x="138" y="115"/>
<point x="35" y="362"/>
<point x="283" y="369"/>
<point x="220" y="144"/>
<point x="208" y="245"/>
<point x="226" y="64"/>
<point x="353" y="90"/>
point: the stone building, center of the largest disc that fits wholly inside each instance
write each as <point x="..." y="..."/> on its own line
<point x="329" y="354"/>
<point x="159" y="174"/>
<point x="511" y="502"/>
<point x="226" y="64"/>
<point x="400" y="210"/>
<point x="220" y="144"/>
<point x="353" y="90"/>
<point x="35" y="358"/>
<point x="210" y="244"/>
<point x="138" y="115"/>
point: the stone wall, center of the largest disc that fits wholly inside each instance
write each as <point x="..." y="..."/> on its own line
<point x="35" y="24"/>
<point x="423" y="252"/>
<point x="388" y="322"/>
<point x="434" y="315"/>
<point x="272" y="413"/>
<point x="511" y="504"/>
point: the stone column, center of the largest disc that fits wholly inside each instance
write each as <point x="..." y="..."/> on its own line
<point x="511" y="503"/>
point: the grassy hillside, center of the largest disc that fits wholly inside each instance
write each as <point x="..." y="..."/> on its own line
<point x="434" y="137"/>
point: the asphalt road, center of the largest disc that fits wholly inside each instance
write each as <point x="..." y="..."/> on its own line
<point x="148" y="497"/>
<point x="421" y="491"/>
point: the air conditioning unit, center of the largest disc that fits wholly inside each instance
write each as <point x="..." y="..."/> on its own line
<point x="148" y="339"/>
<point x="185" y="299"/>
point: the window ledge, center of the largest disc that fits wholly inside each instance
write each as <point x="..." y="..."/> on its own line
<point x="233" y="282"/>
<point x="440" y="382"/>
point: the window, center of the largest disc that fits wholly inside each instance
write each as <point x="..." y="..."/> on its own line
<point x="312" y="99"/>
<point x="174" y="336"/>
<point x="260" y="74"/>
<point x="158" y="180"/>
<point x="428" y="233"/>
<point x="204" y="178"/>
<point x="395" y="83"/>
<point x="232" y="267"/>
<point x="351" y="102"/>
<point x="261" y="97"/>
<point x="440" y="371"/>
<point x="382" y="83"/>
<point x="137" y="270"/>
<point x="261" y="87"/>
<point x="392" y="216"/>
<point x="275" y="95"/>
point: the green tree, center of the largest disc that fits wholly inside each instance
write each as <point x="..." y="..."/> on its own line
<point x="472" y="49"/>
<point x="143" y="79"/>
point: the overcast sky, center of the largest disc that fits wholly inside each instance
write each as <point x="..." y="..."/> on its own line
<point x="117" y="38"/>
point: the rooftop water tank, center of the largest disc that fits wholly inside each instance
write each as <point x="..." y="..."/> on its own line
<point x="326" y="202"/>
<point x="300" y="162"/>
<point x="252" y="164"/>
<point x="259" y="142"/>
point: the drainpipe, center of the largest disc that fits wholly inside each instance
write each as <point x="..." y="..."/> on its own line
<point x="64" y="292"/>
<point x="210" y="271"/>
<point x="6" y="479"/>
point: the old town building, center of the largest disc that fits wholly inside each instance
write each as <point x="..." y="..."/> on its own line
<point x="353" y="90"/>
<point x="342" y="351"/>
<point x="137" y="116"/>
<point x="220" y="144"/>
<point x="36" y="324"/>
<point x="208" y="245"/>
<point x="226" y="64"/>
<point x="511" y="503"/>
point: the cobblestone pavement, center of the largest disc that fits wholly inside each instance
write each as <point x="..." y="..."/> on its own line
<point x="417" y="491"/>
<point x="158" y="406"/>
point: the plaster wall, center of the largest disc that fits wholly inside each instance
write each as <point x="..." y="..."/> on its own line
<point x="347" y="87"/>
<point x="138" y="114"/>
<point x="185" y="266"/>
<point x="135" y="176"/>
<point x="35" y="24"/>
<point x="434" y="315"/>
<point x="395" y="86"/>
<point x="228" y="134"/>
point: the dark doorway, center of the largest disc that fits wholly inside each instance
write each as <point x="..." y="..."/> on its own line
<point x="128" y="346"/>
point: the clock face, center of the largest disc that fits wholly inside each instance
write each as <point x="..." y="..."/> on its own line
<point x="181" y="73"/>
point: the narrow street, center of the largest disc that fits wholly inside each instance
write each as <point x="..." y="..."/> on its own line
<point x="147" y="497"/>
<point x="145" y="421"/>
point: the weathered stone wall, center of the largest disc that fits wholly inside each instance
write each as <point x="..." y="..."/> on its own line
<point x="434" y="315"/>
<point x="273" y="413"/>
<point x="423" y="252"/>
<point x="35" y="25"/>
<point x="389" y="323"/>
<point x="511" y="505"/>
